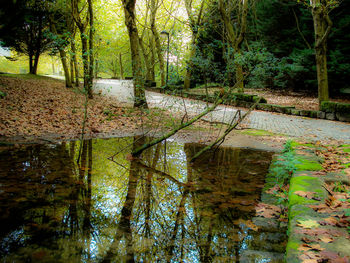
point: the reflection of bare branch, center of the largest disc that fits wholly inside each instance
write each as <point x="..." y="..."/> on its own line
<point x="178" y="221"/>
<point x="165" y="175"/>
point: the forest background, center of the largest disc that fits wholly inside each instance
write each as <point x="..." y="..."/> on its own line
<point x="260" y="43"/>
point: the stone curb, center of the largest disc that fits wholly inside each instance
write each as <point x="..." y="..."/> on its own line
<point x="307" y="180"/>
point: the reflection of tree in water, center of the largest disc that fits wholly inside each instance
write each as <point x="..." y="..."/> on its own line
<point x="159" y="209"/>
<point x="205" y="217"/>
<point x="44" y="201"/>
<point x="228" y="184"/>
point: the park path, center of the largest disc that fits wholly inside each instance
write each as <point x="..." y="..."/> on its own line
<point x="314" y="129"/>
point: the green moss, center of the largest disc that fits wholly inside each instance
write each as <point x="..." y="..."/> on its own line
<point x="306" y="184"/>
<point x="313" y="114"/>
<point x="343" y="107"/>
<point x="295" y="112"/>
<point x="309" y="166"/>
<point x="263" y="106"/>
<point x="328" y="106"/>
<point x="257" y="132"/>
<point x="305" y="113"/>
<point x="305" y="164"/>
<point x="292" y="245"/>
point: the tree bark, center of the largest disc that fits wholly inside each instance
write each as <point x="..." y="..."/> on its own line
<point x="91" y="49"/>
<point x="76" y="13"/>
<point x="154" y="8"/>
<point x="75" y="62"/>
<point x="322" y="27"/>
<point x="235" y="33"/>
<point x="187" y="80"/>
<point x="63" y="55"/>
<point x="194" y="24"/>
<point x="130" y="22"/>
<point x="31" y="63"/>
<point x="121" y="66"/>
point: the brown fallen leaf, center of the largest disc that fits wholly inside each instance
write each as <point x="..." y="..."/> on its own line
<point x="306" y="194"/>
<point x="306" y="240"/>
<point x="307" y="247"/>
<point x="267" y="211"/>
<point x="326" y="239"/>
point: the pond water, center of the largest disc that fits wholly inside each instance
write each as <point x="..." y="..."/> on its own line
<point x="113" y="208"/>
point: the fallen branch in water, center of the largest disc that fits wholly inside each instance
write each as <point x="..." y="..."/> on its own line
<point x="139" y="150"/>
<point x="227" y="131"/>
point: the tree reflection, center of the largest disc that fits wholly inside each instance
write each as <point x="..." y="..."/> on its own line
<point x="158" y="208"/>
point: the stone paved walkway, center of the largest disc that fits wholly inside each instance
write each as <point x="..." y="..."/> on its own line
<point x="314" y="129"/>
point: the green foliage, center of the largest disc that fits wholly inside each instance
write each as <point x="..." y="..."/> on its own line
<point x="284" y="166"/>
<point x="267" y="70"/>
<point x="2" y="94"/>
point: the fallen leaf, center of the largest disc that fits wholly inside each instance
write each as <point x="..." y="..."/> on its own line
<point x="326" y="239"/>
<point x="307" y="247"/>
<point x="306" y="194"/>
<point x="309" y="223"/>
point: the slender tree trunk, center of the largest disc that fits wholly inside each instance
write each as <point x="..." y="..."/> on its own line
<point x="239" y="73"/>
<point x="63" y="55"/>
<point x="146" y="60"/>
<point x="91" y="49"/>
<point x="38" y="46"/>
<point x="84" y="51"/>
<point x="235" y="32"/>
<point x="187" y="81"/>
<point x="31" y="63"/>
<point x="71" y="68"/>
<point x="156" y="37"/>
<point x="36" y="63"/>
<point x="75" y="63"/>
<point x="151" y="47"/>
<point x="130" y="22"/>
<point x="65" y="68"/>
<point x="322" y="27"/>
<point x="121" y="66"/>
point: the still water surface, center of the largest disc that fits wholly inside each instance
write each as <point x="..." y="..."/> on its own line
<point x="112" y="208"/>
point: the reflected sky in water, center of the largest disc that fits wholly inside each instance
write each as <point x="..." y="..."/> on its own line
<point x="110" y="207"/>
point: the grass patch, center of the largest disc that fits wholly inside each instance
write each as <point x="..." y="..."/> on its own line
<point x="258" y="132"/>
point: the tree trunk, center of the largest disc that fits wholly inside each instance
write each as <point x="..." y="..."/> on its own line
<point x="121" y="66"/>
<point x="31" y="63"/>
<point x="91" y="49"/>
<point x="322" y="26"/>
<point x="65" y="68"/>
<point x="239" y="73"/>
<point x="151" y="47"/>
<point x="130" y="22"/>
<point x="154" y="8"/>
<point x="84" y="51"/>
<point x="235" y="32"/>
<point x="62" y="54"/>
<point x="187" y="81"/>
<point x="146" y="60"/>
<point x="71" y="68"/>
<point x="36" y="63"/>
<point x="75" y="62"/>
